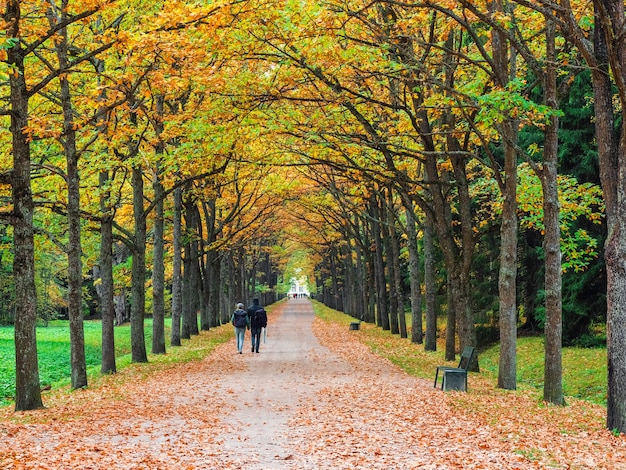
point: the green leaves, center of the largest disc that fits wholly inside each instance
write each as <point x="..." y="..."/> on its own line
<point x="501" y="104"/>
<point x="578" y="203"/>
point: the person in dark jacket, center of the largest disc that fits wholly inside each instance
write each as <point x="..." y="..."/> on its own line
<point x="258" y="321"/>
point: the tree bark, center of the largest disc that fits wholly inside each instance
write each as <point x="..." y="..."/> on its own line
<point x="360" y="272"/>
<point x="106" y="279"/>
<point x="450" y="352"/>
<point x="508" y="275"/>
<point x="414" y="273"/>
<point x="614" y="186"/>
<point x="553" y="368"/>
<point x="507" y="370"/>
<point x="177" y="282"/>
<point x="158" y="271"/>
<point x="138" y="268"/>
<point x="211" y="316"/>
<point x="430" y="287"/>
<point x="188" y="260"/>
<point x="78" y="375"/>
<point x="187" y="292"/>
<point x="27" y="388"/>
<point x="382" y="302"/>
<point x="106" y="288"/>
<point x="386" y="218"/>
<point x="609" y="24"/>
<point x="158" y="265"/>
<point x="396" y="278"/>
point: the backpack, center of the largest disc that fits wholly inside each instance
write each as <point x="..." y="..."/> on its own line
<point x="259" y="318"/>
<point x="239" y="318"/>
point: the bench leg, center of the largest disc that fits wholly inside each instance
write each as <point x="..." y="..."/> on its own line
<point x="454" y="380"/>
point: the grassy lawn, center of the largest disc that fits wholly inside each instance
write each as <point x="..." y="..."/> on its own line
<point x="584" y="369"/>
<point x="53" y="350"/>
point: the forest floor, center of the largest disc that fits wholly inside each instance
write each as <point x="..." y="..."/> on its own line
<point x="314" y="397"/>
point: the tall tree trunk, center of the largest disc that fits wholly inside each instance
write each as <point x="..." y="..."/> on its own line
<point x="158" y="270"/>
<point x="440" y="214"/>
<point x="360" y="272"/>
<point x="138" y="268"/>
<point x="370" y="273"/>
<point x="508" y="275"/>
<point x="241" y="270"/>
<point x="106" y="288"/>
<point x="450" y="352"/>
<point x="187" y="292"/>
<point x="158" y="265"/>
<point x="611" y="146"/>
<point x="553" y="368"/>
<point x="613" y="176"/>
<point x="78" y="375"/>
<point x="106" y="279"/>
<point x="396" y="279"/>
<point x="615" y="255"/>
<point x="177" y="281"/>
<point x="349" y="280"/>
<point x="196" y="279"/>
<point x="27" y="388"/>
<point x="430" y="287"/>
<point x="213" y="286"/>
<point x="414" y="273"/>
<point x="387" y="228"/>
<point x="205" y="279"/>
<point x="233" y="287"/>
<point x="74" y="252"/>
<point x="191" y="272"/>
<point x="382" y="304"/>
<point x="503" y="71"/>
<point x="334" y="274"/>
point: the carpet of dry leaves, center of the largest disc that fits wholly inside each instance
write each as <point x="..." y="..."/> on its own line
<point x="313" y="398"/>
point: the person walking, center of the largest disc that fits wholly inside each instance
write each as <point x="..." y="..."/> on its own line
<point x="258" y="321"/>
<point x="241" y="322"/>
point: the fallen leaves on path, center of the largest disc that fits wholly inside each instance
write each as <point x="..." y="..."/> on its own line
<point x="363" y="412"/>
<point x="165" y="421"/>
<point x="399" y="420"/>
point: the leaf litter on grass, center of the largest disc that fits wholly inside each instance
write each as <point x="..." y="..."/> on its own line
<point x="483" y="428"/>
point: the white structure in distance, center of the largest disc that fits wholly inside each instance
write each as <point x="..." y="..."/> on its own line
<point x="299" y="287"/>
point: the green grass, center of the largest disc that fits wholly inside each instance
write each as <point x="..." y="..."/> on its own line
<point x="584" y="369"/>
<point x="53" y="350"/>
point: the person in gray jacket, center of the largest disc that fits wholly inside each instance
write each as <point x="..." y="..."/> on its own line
<point x="241" y="322"/>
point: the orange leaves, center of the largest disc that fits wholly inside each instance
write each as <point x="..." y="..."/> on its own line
<point x="344" y="407"/>
<point x="485" y="428"/>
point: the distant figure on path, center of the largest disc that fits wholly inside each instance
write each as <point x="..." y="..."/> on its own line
<point x="258" y="321"/>
<point x="240" y="321"/>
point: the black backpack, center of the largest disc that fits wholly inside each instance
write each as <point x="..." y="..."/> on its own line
<point x="239" y="318"/>
<point x="259" y="318"/>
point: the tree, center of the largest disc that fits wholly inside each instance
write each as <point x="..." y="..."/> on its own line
<point x="28" y="394"/>
<point x="604" y="48"/>
<point x="414" y="269"/>
<point x="57" y="17"/>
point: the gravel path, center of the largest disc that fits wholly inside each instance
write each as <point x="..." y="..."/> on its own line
<point x="290" y="368"/>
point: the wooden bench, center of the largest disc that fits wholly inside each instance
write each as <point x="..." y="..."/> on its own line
<point x="450" y="375"/>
